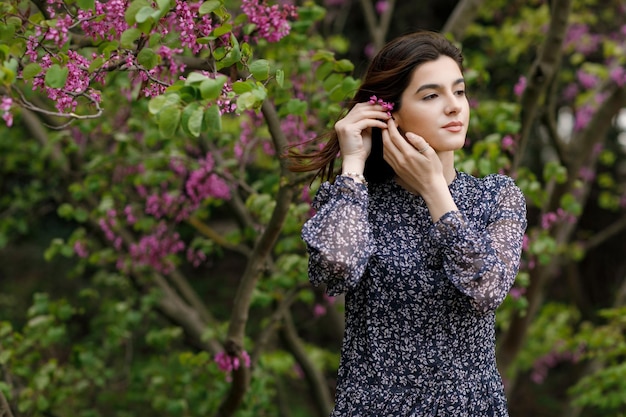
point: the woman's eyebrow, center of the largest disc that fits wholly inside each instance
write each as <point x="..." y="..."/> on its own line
<point x="438" y="86"/>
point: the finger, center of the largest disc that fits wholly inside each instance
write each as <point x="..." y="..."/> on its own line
<point x="418" y="142"/>
<point x="396" y="137"/>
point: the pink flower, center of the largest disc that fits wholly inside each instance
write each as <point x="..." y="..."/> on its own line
<point x="382" y="6"/>
<point x="227" y="363"/>
<point x="618" y="75"/>
<point x="272" y="22"/>
<point x="319" y="310"/>
<point x="517" y="292"/>
<point x="520" y="86"/>
<point x="5" y="107"/>
<point x="587" y="80"/>
<point x="583" y="117"/>
<point x="508" y="143"/>
<point x="80" y="249"/>
<point x="388" y="107"/>
<point x="154" y="250"/>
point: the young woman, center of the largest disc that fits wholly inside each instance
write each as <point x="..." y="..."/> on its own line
<point x="423" y="253"/>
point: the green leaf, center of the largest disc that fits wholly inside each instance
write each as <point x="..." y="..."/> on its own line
<point x="31" y="71"/>
<point x="86" y="4"/>
<point x="295" y="107"/>
<point x="343" y="65"/>
<point x="56" y="76"/>
<point x="280" y="77"/>
<point x="7" y="32"/>
<point x="323" y="71"/>
<point x="158" y="103"/>
<point x="144" y="14"/>
<point x="192" y="119"/>
<point x="65" y="211"/>
<point x="260" y="69"/>
<point x="147" y="58"/>
<point x="209" y="6"/>
<point x="106" y="48"/>
<point x="169" y="119"/>
<point x="213" y="119"/>
<point x="195" y="77"/>
<point x="164" y="6"/>
<point x="128" y="38"/>
<point x="212" y="88"/>
<point x="96" y="64"/>
<point x="133" y="9"/>
<point x="241" y="87"/>
<point x="222" y="30"/>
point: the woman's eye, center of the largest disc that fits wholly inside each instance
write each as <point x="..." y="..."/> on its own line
<point x="460" y="92"/>
<point x="430" y="96"/>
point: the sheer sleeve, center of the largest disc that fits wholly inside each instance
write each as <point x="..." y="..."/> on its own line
<point x="483" y="264"/>
<point x="338" y="236"/>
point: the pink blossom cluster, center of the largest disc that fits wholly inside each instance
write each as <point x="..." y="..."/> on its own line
<point x="78" y="82"/>
<point x="190" y="25"/>
<point x="381" y="6"/>
<point x="319" y="309"/>
<point x="225" y="102"/>
<point x="517" y="292"/>
<point x="5" y="108"/>
<point x="388" y="107"/>
<point x="272" y="22"/>
<point x="560" y="215"/>
<point x="508" y="143"/>
<point x="542" y="366"/>
<point x="579" y="38"/>
<point x="520" y="86"/>
<point x="227" y="363"/>
<point x="109" y="28"/>
<point x="196" y="256"/>
<point x="202" y="183"/>
<point x="154" y="249"/>
<point x="57" y="34"/>
<point x="108" y="224"/>
<point x="618" y="75"/>
<point x="80" y="249"/>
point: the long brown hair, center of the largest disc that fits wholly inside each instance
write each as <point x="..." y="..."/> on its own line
<point x="387" y="76"/>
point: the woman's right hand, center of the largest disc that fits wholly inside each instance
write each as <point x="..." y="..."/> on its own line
<point x="354" y="132"/>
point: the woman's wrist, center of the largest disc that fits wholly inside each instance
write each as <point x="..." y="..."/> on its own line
<point x="353" y="165"/>
<point x="355" y="176"/>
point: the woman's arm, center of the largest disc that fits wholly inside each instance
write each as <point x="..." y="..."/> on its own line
<point x="338" y="236"/>
<point x="483" y="264"/>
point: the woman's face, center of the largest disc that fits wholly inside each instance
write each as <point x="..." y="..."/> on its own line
<point x="434" y="105"/>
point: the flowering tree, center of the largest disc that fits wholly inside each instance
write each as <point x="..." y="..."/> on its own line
<point x="154" y="130"/>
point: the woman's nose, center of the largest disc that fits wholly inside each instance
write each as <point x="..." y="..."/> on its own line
<point x="453" y="105"/>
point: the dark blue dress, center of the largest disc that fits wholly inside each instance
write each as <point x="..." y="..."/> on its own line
<point x="420" y="297"/>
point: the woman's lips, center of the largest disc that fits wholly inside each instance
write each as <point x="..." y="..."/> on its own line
<point x="454" y="127"/>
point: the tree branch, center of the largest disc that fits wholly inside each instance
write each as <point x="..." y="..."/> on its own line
<point x="5" y="408"/>
<point x="378" y="32"/>
<point x="462" y="16"/>
<point x="602" y="236"/>
<point x="174" y="308"/>
<point x="594" y="133"/>
<point x="313" y="375"/>
<point x="542" y="72"/>
<point x="274" y="321"/>
<point x="207" y="231"/>
<point x="255" y="266"/>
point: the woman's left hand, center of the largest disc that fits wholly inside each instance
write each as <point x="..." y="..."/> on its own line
<point x="419" y="169"/>
<point x="412" y="159"/>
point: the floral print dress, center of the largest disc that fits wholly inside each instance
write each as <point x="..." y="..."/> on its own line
<point x="420" y="297"/>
